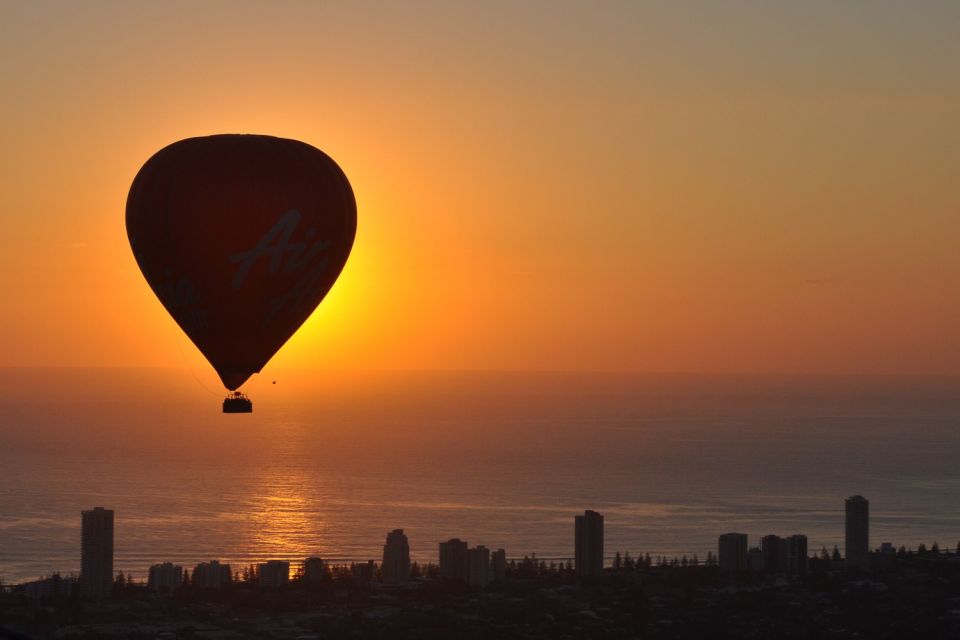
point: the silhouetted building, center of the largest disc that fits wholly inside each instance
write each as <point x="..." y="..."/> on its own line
<point x="453" y="560"/>
<point x="314" y="571"/>
<point x="211" y="575"/>
<point x="857" y="532"/>
<point x="165" y="578"/>
<point x="588" y="540"/>
<point x="478" y="567"/>
<point x="51" y="588"/>
<point x="886" y="560"/>
<point x="362" y="573"/>
<point x="396" y="558"/>
<point x="755" y="559"/>
<point x="774" y="552"/>
<point x="796" y="546"/>
<point x="96" y="553"/>
<point x="274" y="573"/>
<point x="498" y="564"/>
<point x="733" y="552"/>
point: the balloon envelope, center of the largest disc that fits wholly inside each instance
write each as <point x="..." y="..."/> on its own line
<point x="240" y="237"/>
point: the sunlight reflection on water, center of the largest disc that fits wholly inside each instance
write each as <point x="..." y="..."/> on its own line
<point x="495" y="464"/>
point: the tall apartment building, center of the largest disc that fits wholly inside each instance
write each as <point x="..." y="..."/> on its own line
<point x="588" y="544"/>
<point x="211" y="575"/>
<point x="498" y="564"/>
<point x="774" y="550"/>
<point x="273" y="574"/>
<point x="453" y="560"/>
<point x="395" y="568"/>
<point x="96" y="553"/>
<point x="313" y="571"/>
<point x="857" y="546"/>
<point x="478" y="567"/>
<point x="796" y="547"/>
<point x="733" y="553"/>
<point x="165" y="578"/>
<point x="362" y="573"/>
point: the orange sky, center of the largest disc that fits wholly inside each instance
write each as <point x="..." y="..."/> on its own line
<point x="720" y="187"/>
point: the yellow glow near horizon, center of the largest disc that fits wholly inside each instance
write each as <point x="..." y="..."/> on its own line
<point x="617" y="187"/>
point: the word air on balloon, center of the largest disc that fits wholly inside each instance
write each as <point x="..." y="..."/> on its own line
<point x="286" y="256"/>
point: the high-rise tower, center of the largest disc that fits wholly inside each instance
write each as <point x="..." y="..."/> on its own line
<point x="588" y="542"/>
<point x="733" y="552"/>
<point x="96" y="553"/>
<point x="396" y="558"/>
<point x="857" y="532"/>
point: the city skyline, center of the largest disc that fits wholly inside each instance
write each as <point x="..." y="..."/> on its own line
<point x="478" y="566"/>
<point x="780" y="567"/>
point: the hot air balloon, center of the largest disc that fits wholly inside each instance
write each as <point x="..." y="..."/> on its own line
<point x="240" y="237"/>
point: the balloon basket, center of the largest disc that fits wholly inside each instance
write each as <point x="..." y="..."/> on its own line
<point x="237" y="402"/>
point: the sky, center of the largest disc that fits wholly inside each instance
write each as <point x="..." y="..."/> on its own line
<point x="715" y="187"/>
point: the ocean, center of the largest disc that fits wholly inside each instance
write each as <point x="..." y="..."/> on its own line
<point x="328" y="463"/>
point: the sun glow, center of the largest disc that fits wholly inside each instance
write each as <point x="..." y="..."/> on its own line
<point x="558" y="203"/>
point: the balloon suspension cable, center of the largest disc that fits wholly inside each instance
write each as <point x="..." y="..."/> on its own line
<point x="192" y="370"/>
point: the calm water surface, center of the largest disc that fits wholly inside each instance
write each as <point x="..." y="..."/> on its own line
<point x="504" y="460"/>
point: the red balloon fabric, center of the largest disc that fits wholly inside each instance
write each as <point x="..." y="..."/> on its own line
<point x="240" y="237"/>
